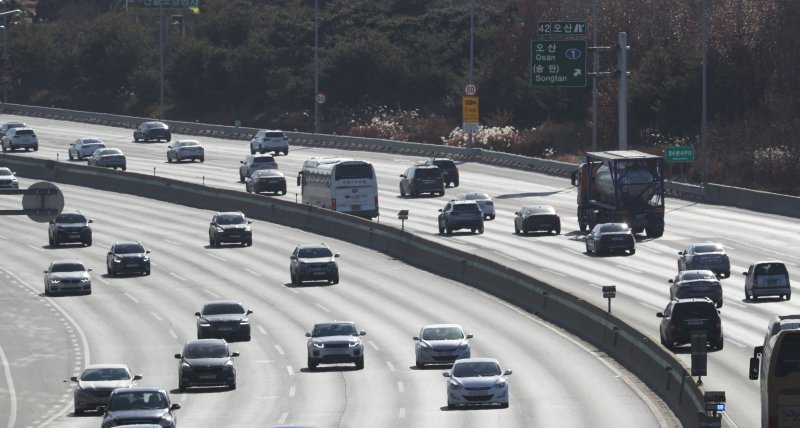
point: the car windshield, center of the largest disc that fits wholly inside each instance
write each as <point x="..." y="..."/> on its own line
<point x="67" y="267"/>
<point x="91" y="141"/>
<point x="24" y="132"/>
<point x="206" y="350"/>
<point x="701" y="284"/>
<point x="230" y="219"/>
<point x="70" y="218"/>
<point x="614" y="227"/>
<point x="5" y="171"/>
<point x="277" y="134"/>
<point x="466" y="207"/>
<point x="155" y="125"/>
<point x="189" y="143"/>
<point x="445" y="164"/>
<point x="428" y="172"/>
<point x="689" y="276"/>
<point x="771" y="269"/>
<point x="788" y="360"/>
<point x="708" y="248"/>
<point x="95" y="375"/>
<point x="324" y="330"/>
<point x="476" y="369"/>
<point x="266" y="173"/>
<point x="689" y="310"/>
<point x="109" y="152"/>
<point x="542" y="210"/>
<point x="314" y="253"/>
<point x="223" y="308"/>
<point x="442" y="333"/>
<point x="137" y="400"/>
<point x="264" y="159"/>
<point x="129" y="249"/>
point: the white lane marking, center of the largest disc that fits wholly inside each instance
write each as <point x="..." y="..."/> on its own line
<point x="554" y="272"/>
<point x="217" y="257"/>
<point x="290" y="370"/>
<point x="649" y="250"/>
<point x="283" y="418"/>
<point x="155" y="315"/>
<point x="40" y="249"/>
<point x="292" y="390"/>
<point x="103" y="280"/>
<point x="738" y="305"/>
<point x="391" y="366"/>
<point x="648" y="305"/>
<point x="401" y="413"/>
<point x="261" y="330"/>
<point x="502" y="254"/>
<point x="629" y="268"/>
<point x="131" y="297"/>
<point x="400" y="386"/>
<point x="177" y="276"/>
<point x="279" y="349"/>
<point x="322" y="307"/>
<point x="12" y="418"/>
<point x="173" y="242"/>
<point x="374" y="346"/>
<point x="172" y="333"/>
<point x="591" y="284"/>
<point x="252" y="272"/>
<point x="292" y="290"/>
<point x="212" y="294"/>
<point x="736" y="343"/>
<point x="3" y="237"/>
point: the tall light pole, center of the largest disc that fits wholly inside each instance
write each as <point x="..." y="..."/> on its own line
<point x="595" y="60"/>
<point x="704" y="113"/>
<point x="316" y="65"/>
<point x="161" y="59"/>
<point x="5" y="45"/>
<point x="471" y="55"/>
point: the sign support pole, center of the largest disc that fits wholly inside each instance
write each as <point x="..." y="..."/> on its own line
<point x="622" y="44"/>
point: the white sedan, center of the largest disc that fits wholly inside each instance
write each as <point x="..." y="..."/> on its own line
<point x="474" y="381"/>
<point x="441" y="344"/>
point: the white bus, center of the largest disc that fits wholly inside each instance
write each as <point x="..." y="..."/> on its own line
<point x="780" y="373"/>
<point x="340" y="184"/>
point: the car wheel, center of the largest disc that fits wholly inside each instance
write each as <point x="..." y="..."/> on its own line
<point x="261" y="150"/>
<point x="632" y="251"/>
<point x="448" y="230"/>
<point x="123" y="168"/>
<point x="719" y="304"/>
<point x="249" y="243"/>
<point x="252" y="151"/>
<point x="335" y="279"/>
<point x="451" y="406"/>
<point x="516" y="230"/>
<point x="311" y="365"/>
<point x="200" y="334"/>
<point x="88" y="242"/>
<point x="147" y="272"/>
<point x="503" y="405"/>
<point x="360" y="363"/>
<point x="55" y="242"/>
<point x="558" y="231"/>
<point x="232" y="385"/>
<point x="109" y="271"/>
<point x="480" y="230"/>
<point x="169" y="159"/>
<point x="402" y="192"/>
<point x="135" y="138"/>
<point x="241" y="178"/>
<point x="286" y="152"/>
<point x="789" y="296"/>
<point x="472" y="230"/>
<point x="181" y="386"/>
<point x="588" y="251"/>
<point x="210" y="241"/>
<point x="720" y="344"/>
<point x="283" y="192"/>
<point x="47" y="291"/>
<point x="292" y="278"/>
<point x="441" y="230"/>
<point x="754" y="297"/>
<point x="71" y="158"/>
<point x="50" y="241"/>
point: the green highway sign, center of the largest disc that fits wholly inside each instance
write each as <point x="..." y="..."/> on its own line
<point x="559" y="63"/>
<point x="561" y="28"/>
<point x="679" y="154"/>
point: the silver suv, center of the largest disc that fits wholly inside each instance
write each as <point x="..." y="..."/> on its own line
<point x="460" y="215"/>
<point x="20" y="138"/>
<point x="269" y="140"/>
<point x="334" y="342"/>
<point x="767" y="278"/>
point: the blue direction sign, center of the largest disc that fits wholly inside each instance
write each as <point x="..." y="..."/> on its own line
<point x="558" y="63"/>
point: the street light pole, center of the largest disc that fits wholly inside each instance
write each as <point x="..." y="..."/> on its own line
<point x="316" y="65"/>
<point x="471" y="56"/>
<point x="5" y="45"/>
<point x="704" y="118"/>
<point x="161" y="59"/>
<point x="595" y="60"/>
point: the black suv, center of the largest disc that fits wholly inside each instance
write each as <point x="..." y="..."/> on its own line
<point x="230" y="227"/>
<point x="460" y="215"/>
<point x="206" y="362"/>
<point x="128" y="257"/>
<point x="448" y="168"/>
<point x="70" y="227"/>
<point x="313" y="263"/>
<point x="152" y="130"/>
<point x="421" y="179"/>
<point x="224" y="319"/>
<point x="682" y="316"/>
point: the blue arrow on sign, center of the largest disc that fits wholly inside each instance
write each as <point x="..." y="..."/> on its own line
<point x="573" y="53"/>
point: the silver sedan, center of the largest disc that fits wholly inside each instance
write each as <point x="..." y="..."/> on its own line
<point x="441" y="344"/>
<point x="474" y="381"/>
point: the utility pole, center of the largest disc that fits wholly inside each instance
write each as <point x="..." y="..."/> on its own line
<point x="471" y="56"/>
<point x="161" y="59"/>
<point x="704" y="118"/>
<point x="316" y="65"/>
<point x="595" y="60"/>
<point x="622" y="46"/>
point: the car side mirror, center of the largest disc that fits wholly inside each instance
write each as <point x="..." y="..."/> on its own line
<point x="101" y="409"/>
<point x="754" y="363"/>
<point x="89" y="270"/>
<point x="45" y="271"/>
<point x="660" y="315"/>
<point x="241" y="162"/>
<point x="248" y="312"/>
<point x="178" y="356"/>
<point x="446" y="374"/>
<point x="234" y="354"/>
<point x="507" y="372"/>
<point x="292" y="258"/>
<point x="671" y="281"/>
<point x="336" y="255"/>
<point x="249" y="221"/>
<point x="175" y="406"/>
<point x="169" y="147"/>
<point x="680" y="253"/>
<point x="440" y="210"/>
<point x="362" y="333"/>
<point x="74" y="378"/>
<point x="744" y="273"/>
<point x="469" y="336"/>
<point x="516" y="213"/>
<point x="91" y="220"/>
<point x="147" y="252"/>
<point x="137" y="377"/>
<point x="415" y="338"/>
<point x="197" y="314"/>
<point x="308" y="334"/>
<point x="51" y="222"/>
<point x="402" y="175"/>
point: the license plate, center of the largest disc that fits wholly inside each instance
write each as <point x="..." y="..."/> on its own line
<point x="131" y="265"/>
<point x="476" y="393"/>
<point x="356" y="207"/>
<point x="789" y="417"/>
<point x="617" y="238"/>
<point x="225" y="328"/>
<point x="75" y="235"/>
<point x="319" y="273"/>
<point x="694" y="322"/>
<point x="233" y="236"/>
<point x="772" y="282"/>
<point x="207" y="376"/>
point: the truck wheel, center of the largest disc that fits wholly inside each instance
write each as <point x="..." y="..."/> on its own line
<point x="654" y="232"/>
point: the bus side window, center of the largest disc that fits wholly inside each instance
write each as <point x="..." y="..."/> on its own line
<point x="299" y="177"/>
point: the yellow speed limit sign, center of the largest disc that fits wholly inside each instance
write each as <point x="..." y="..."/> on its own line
<point x="469" y="109"/>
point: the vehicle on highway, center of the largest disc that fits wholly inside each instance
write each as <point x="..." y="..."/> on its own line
<point x="252" y="163"/>
<point x="7" y="179"/>
<point x="223" y="319"/>
<point x="269" y="140"/>
<point x="139" y="405"/>
<point x="484" y="202"/>
<point x="8" y="125"/>
<point x="779" y="371"/>
<point x="67" y="276"/>
<point x="705" y="255"/>
<point x="532" y="218"/>
<point x="230" y="226"/>
<point x="683" y="316"/>
<point x="84" y="147"/>
<point x="696" y="284"/>
<point x="458" y="215"/>
<point x="448" y="169"/>
<point x="334" y="342"/>
<point x="206" y="362"/>
<point x="421" y="179"/>
<point x="340" y="184"/>
<point x="610" y="237"/>
<point x="96" y="382"/>
<point x="313" y="262"/>
<point x="127" y="256"/>
<point x="767" y="278"/>
<point x="20" y="138"/>
<point x="152" y="130"/>
<point x="477" y="381"/>
<point x="70" y="226"/>
<point x="108" y="158"/>
<point x="265" y="180"/>
<point x="185" y="149"/>
<point x="441" y="344"/>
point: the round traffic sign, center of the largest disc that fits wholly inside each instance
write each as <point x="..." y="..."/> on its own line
<point x="470" y="89"/>
<point x="320" y="98"/>
<point x="38" y="205"/>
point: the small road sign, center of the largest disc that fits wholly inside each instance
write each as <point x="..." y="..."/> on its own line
<point x="561" y="28"/>
<point x="470" y="89"/>
<point x="469" y="109"/>
<point x="320" y="98"/>
<point x="679" y="154"/>
<point x="559" y="63"/>
<point x="470" y="127"/>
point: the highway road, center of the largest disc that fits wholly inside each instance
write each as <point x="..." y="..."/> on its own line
<point x="143" y="321"/>
<point x="641" y="279"/>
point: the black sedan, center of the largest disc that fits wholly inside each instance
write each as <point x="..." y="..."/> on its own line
<point x="108" y="158"/>
<point x="537" y="218"/>
<point x="224" y="319"/>
<point x="206" y="362"/>
<point x="266" y="180"/>
<point x="610" y="237"/>
<point x="152" y="130"/>
<point x="139" y="405"/>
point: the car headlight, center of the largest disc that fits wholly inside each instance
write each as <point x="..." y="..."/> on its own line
<point x="205" y="324"/>
<point x="146" y="258"/>
<point x="332" y="265"/>
<point x="54" y="281"/>
<point x="318" y="345"/>
<point x="85" y="279"/>
<point x="355" y="344"/>
<point x="424" y="345"/>
<point x="229" y="363"/>
<point x="117" y="259"/>
<point x="185" y="365"/>
<point x="244" y="322"/>
<point x="247" y="228"/>
<point x="219" y="229"/>
<point x="500" y="383"/>
<point x="455" y="385"/>
<point x="463" y="346"/>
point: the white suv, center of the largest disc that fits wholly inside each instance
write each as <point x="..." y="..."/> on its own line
<point x="269" y="140"/>
<point x="333" y="342"/>
<point x="20" y="138"/>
